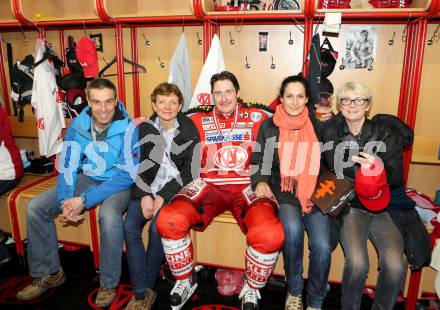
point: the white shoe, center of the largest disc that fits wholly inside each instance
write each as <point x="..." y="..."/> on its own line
<point x="249" y="297"/>
<point x="182" y="291"/>
<point x="293" y="302"/>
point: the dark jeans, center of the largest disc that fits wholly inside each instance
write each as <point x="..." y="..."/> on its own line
<point x="359" y="226"/>
<point x="6" y="185"/>
<point x="144" y="265"/>
<point x="317" y="226"/>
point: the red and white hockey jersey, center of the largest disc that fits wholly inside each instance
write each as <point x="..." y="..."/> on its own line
<point x="227" y="143"/>
<point x="48" y="110"/>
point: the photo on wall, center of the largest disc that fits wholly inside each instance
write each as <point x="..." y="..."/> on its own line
<point x="360" y="47"/>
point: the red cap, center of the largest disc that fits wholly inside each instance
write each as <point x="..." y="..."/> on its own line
<point x="371" y="187"/>
<point x="87" y="57"/>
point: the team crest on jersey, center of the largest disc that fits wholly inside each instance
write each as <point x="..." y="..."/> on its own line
<point x="255" y="116"/>
<point x="207" y="120"/>
<point x="230" y="157"/>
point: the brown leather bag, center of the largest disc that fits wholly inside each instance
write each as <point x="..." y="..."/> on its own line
<point x="331" y="194"/>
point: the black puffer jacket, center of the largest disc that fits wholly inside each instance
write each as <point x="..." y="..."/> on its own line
<point x="388" y="129"/>
<point x="182" y="151"/>
<point x="266" y="165"/>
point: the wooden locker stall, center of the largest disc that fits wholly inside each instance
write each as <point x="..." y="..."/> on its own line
<point x="396" y="79"/>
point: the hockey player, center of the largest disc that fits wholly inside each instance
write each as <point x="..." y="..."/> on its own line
<point x="227" y="132"/>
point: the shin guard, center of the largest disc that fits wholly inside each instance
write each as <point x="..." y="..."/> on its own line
<point x="259" y="267"/>
<point x="179" y="256"/>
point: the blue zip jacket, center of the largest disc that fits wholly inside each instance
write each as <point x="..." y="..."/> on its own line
<point x="112" y="162"/>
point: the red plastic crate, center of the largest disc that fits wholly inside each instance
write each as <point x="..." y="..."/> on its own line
<point x="334" y="4"/>
<point x="390" y="3"/>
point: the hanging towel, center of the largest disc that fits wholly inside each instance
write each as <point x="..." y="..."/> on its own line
<point x="214" y="64"/>
<point x="180" y="71"/>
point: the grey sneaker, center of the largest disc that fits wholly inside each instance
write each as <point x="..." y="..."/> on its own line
<point x="144" y="304"/>
<point x="105" y="297"/>
<point x="293" y="302"/>
<point x="40" y="285"/>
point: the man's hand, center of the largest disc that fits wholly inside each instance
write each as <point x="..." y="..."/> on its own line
<point x="147" y="205"/>
<point x="263" y="190"/>
<point x="72" y="209"/>
<point x="157" y="204"/>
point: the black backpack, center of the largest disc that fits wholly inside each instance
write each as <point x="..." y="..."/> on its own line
<point x="22" y="77"/>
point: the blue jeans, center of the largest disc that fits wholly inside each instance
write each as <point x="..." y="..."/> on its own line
<point x="144" y="265"/>
<point x="317" y="226"/>
<point x="359" y="226"/>
<point x="43" y="255"/>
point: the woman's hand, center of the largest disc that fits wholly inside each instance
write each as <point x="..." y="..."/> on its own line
<point x="147" y="205"/>
<point x="263" y="190"/>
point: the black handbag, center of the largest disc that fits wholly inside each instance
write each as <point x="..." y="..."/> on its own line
<point x="331" y="194"/>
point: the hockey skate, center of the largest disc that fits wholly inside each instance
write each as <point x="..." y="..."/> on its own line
<point x="249" y="297"/>
<point x="182" y="291"/>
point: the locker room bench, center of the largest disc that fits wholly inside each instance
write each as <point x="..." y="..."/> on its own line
<point x="84" y="233"/>
<point x="223" y="244"/>
<point x="5" y="217"/>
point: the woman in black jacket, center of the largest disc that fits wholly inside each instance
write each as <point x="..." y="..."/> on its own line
<point x="295" y="127"/>
<point x="168" y="142"/>
<point x="358" y="141"/>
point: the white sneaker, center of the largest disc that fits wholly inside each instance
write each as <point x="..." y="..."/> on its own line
<point x="293" y="302"/>
<point x="182" y="291"/>
<point x="249" y="297"/>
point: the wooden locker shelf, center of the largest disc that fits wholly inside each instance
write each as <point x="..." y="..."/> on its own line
<point x="362" y="6"/>
<point x="43" y="10"/>
<point x="6" y="15"/>
<point x="208" y="7"/>
<point x="141" y="8"/>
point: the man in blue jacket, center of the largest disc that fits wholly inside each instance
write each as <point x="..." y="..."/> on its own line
<point x="92" y="170"/>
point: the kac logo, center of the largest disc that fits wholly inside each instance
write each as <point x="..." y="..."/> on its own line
<point x="230" y="157"/>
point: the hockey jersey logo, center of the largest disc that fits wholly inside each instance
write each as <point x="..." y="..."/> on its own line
<point x="230" y="157"/>
<point x="238" y="135"/>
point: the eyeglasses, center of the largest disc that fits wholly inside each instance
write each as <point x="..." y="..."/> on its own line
<point x="356" y="101"/>
<point x="228" y="93"/>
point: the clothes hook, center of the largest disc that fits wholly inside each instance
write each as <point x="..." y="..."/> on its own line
<point x="199" y="41"/>
<point x="84" y="26"/>
<point x="103" y="59"/>
<point x="405" y="30"/>
<point x="231" y="40"/>
<point x="434" y="37"/>
<point x="290" y="38"/>
<point x="147" y="42"/>
<point x="272" y="66"/>
<point x="341" y="66"/>
<point x="247" y="65"/>
<point x="25" y="39"/>
<point x="183" y="25"/>
<point x="370" y="68"/>
<point x="391" y="42"/>
<point x="161" y="64"/>
<point x="297" y="24"/>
